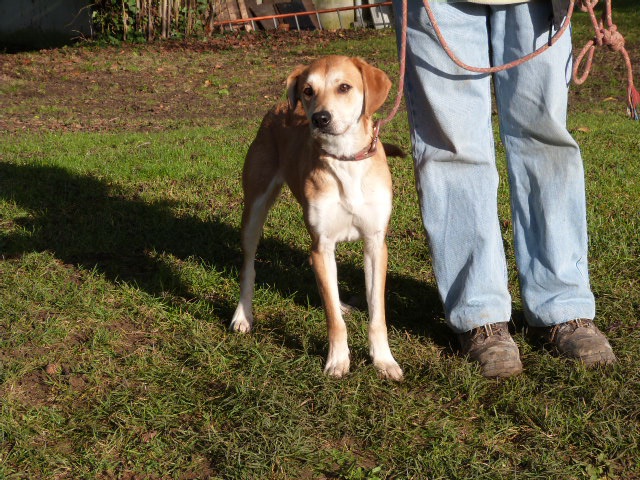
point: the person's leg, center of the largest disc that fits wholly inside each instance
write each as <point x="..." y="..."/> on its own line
<point x="450" y="116"/>
<point x="545" y="173"/>
<point x="545" y="168"/>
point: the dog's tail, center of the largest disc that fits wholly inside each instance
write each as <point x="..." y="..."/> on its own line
<point x="392" y="150"/>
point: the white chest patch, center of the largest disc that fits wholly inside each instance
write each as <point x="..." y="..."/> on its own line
<point x="353" y="208"/>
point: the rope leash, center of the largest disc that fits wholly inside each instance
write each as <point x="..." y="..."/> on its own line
<point x="506" y="66"/>
<point x="403" y="67"/>
<point x="608" y="36"/>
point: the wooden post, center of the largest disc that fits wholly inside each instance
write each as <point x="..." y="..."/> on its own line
<point x="163" y="18"/>
<point x="149" y="21"/>
<point x="125" y="22"/>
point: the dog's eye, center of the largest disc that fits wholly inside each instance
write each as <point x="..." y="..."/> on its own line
<point x="308" y="91"/>
<point x="344" y="88"/>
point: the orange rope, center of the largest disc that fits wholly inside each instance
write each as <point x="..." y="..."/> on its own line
<point x="403" y="68"/>
<point x="604" y="36"/>
<point x="506" y="66"/>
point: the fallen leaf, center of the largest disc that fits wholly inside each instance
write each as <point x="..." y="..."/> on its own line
<point x="53" y="369"/>
<point x="147" y="437"/>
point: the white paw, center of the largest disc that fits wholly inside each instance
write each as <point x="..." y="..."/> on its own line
<point x="345" y="308"/>
<point x="354" y="303"/>
<point x="389" y="369"/>
<point x="241" y="321"/>
<point x="337" y="365"/>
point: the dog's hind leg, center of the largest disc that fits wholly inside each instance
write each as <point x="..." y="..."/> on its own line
<point x="260" y="193"/>
<point x="375" y="268"/>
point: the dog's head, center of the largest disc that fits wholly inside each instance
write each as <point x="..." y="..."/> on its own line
<point x="339" y="95"/>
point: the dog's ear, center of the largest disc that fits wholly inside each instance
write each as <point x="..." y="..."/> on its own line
<point x="292" y="86"/>
<point x="376" y="86"/>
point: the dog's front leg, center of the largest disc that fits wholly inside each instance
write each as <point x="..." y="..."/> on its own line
<point x="324" y="266"/>
<point x="375" y="269"/>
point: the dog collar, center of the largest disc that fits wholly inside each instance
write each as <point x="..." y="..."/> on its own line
<point x="367" y="152"/>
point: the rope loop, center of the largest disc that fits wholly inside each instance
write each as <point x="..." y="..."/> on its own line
<point x="589" y="49"/>
<point x="608" y="36"/>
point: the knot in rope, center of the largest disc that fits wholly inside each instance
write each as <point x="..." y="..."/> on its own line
<point x="612" y="38"/>
<point x="585" y="4"/>
<point x="606" y="34"/>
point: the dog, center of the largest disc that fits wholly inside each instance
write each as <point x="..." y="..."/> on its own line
<point x="323" y="143"/>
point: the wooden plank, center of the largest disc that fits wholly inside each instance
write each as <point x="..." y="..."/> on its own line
<point x="244" y="14"/>
<point x="303" y="21"/>
<point x="265" y="10"/>
<point x="309" y="6"/>
<point x="227" y="10"/>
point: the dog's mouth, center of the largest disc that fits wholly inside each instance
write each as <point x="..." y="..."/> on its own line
<point x="324" y="131"/>
<point x="333" y="129"/>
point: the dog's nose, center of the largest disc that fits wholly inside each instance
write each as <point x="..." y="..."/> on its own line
<point x="321" y="119"/>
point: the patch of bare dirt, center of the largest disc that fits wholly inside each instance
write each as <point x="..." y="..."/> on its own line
<point x="219" y="81"/>
<point x="152" y="86"/>
<point x="32" y="389"/>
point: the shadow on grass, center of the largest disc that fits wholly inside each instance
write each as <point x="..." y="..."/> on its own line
<point x="83" y="222"/>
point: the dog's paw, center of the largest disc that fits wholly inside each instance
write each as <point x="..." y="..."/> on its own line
<point x="241" y="321"/>
<point x="240" y="326"/>
<point x="337" y="366"/>
<point x="354" y="303"/>
<point x="389" y="370"/>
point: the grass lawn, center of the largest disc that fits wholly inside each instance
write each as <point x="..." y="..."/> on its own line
<point x="120" y="204"/>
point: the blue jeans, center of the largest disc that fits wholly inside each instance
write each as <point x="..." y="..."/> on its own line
<point x="456" y="177"/>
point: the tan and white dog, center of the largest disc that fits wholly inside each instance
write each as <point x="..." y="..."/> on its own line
<point x="324" y="145"/>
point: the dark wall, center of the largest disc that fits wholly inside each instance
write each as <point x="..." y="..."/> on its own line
<point x="35" y="24"/>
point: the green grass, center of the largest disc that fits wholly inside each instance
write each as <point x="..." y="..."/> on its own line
<point x="119" y="274"/>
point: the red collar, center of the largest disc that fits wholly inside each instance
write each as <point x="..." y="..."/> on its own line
<point x="367" y="152"/>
